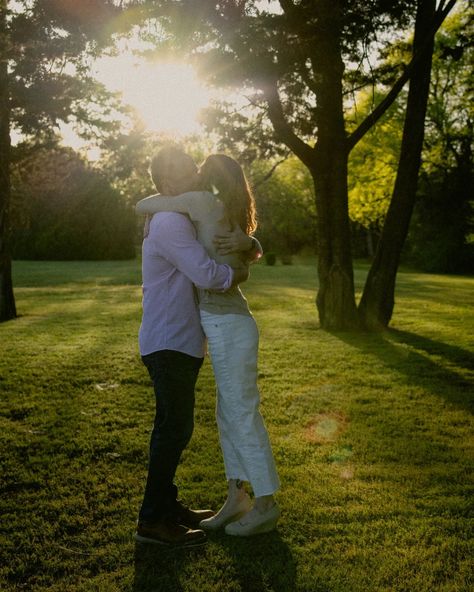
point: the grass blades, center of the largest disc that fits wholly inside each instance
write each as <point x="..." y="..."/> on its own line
<point x="372" y="433"/>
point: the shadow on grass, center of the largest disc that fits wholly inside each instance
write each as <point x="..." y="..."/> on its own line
<point x="457" y="355"/>
<point x="159" y="568"/>
<point x="259" y="563"/>
<point x="411" y="354"/>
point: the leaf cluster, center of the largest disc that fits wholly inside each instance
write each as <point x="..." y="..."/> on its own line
<point x="50" y="48"/>
<point x="285" y="204"/>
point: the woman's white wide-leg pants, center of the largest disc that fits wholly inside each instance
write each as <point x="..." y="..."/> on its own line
<point x="233" y="347"/>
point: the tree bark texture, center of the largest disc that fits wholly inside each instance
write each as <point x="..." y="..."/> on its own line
<point x="335" y="299"/>
<point x="378" y="299"/>
<point x="7" y="300"/>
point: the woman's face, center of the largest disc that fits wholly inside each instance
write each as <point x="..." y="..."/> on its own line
<point x="204" y="174"/>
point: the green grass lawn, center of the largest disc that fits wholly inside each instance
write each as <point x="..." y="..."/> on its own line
<point x="372" y="433"/>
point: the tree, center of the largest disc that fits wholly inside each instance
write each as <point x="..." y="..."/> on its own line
<point x="285" y="205"/>
<point x="7" y="300"/>
<point x="440" y="237"/>
<point x="442" y="218"/>
<point x="378" y="297"/>
<point x="293" y="56"/>
<point x="43" y="80"/>
<point x="64" y="209"/>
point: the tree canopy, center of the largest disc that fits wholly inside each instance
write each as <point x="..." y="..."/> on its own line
<point x="316" y="75"/>
<point x="51" y="44"/>
<point x="300" y="63"/>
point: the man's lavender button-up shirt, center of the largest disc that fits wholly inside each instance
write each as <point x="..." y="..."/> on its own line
<point x="172" y="261"/>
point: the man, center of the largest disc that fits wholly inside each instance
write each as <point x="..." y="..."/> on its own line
<point x="172" y="346"/>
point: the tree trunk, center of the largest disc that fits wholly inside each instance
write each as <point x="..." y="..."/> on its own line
<point x="335" y="299"/>
<point x="7" y="300"/>
<point x="378" y="299"/>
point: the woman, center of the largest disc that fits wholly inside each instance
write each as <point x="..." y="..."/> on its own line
<point x="233" y="346"/>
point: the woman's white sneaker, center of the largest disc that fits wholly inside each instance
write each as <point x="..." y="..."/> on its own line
<point x="232" y="510"/>
<point x="254" y="522"/>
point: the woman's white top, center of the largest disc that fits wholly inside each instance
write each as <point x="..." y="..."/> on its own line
<point x="208" y="215"/>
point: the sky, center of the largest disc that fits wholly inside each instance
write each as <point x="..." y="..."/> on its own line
<point x="167" y="96"/>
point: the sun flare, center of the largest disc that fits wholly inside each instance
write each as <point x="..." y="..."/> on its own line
<point x="167" y="96"/>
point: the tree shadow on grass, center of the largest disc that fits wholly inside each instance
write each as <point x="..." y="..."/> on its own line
<point x="415" y="356"/>
<point x="452" y="353"/>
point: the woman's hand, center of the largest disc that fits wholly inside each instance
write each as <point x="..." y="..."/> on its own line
<point x="234" y="241"/>
<point x="241" y="274"/>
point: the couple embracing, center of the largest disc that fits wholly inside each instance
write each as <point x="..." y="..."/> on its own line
<point x="196" y="251"/>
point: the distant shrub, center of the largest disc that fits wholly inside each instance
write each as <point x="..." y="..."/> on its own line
<point x="270" y="258"/>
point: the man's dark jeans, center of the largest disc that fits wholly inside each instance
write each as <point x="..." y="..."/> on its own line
<point x="174" y="376"/>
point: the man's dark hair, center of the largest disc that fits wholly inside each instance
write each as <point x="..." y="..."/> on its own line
<point x="171" y="162"/>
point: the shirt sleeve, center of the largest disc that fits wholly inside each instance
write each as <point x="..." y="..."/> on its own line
<point x="174" y="238"/>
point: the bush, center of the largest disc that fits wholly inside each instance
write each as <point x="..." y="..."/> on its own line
<point x="270" y="258"/>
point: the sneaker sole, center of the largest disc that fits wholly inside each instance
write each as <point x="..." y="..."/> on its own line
<point x="141" y="539"/>
<point x="254" y="532"/>
<point x="261" y="529"/>
<point x="212" y="527"/>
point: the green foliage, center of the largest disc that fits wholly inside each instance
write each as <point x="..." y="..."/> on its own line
<point x="50" y="44"/>
<point x="65" y="210"/>
<point x="270" y="258"/>
<point x="373" y="163"/>
<point x="442" y="221"/>
<point x="450" y="116"/>
<point x="372" y="435"/>
<point x="440" y="238"/>
<point x="286" y="207"/>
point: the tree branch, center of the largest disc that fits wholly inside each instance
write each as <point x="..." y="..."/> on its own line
<point x="306" y="76"/>
<point x="287" y="5"/>
<point x="382" y="107"/>
<point x="275" y="112"/>
<point x="267" y="175"/>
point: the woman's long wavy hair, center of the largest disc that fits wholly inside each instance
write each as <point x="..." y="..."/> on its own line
<point x="226" y="175"/>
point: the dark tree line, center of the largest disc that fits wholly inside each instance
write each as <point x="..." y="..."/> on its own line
<point x="38" y="39"/>
<point x="63" y="209"/>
